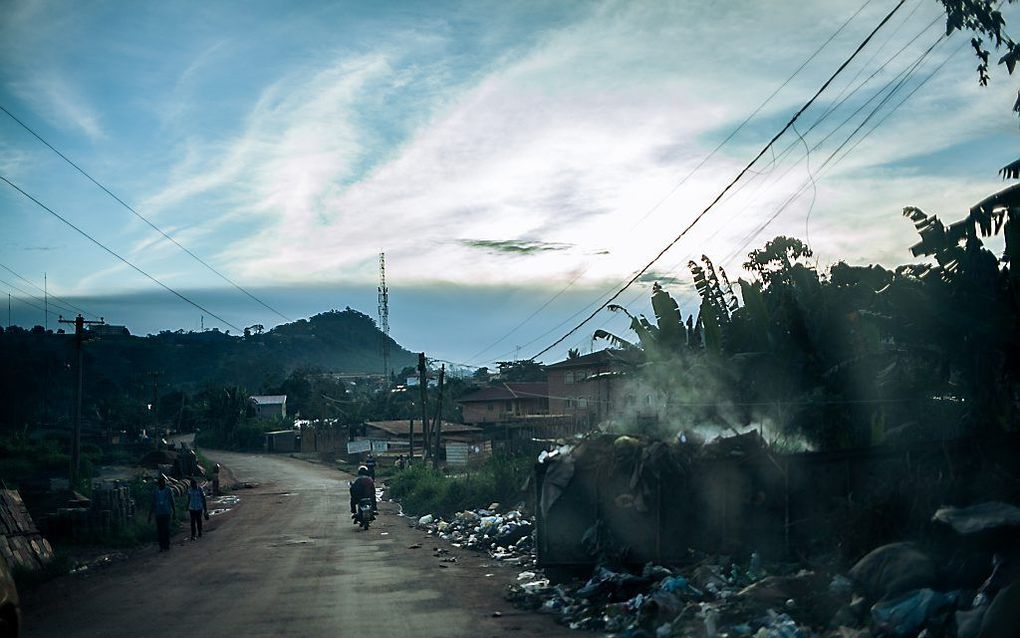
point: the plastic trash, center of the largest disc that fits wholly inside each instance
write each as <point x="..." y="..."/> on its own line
<point x="425" y="520"/>
<point x="780" y="626"/>
<point x="754" y="570"/>
<point x="907" y="615"/>
<point x="841" y="586"/>
<point x="711" y="621"/>
<point x="679" y="585"/>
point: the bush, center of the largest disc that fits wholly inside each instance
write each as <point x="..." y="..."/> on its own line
<point x="423" y="490"/>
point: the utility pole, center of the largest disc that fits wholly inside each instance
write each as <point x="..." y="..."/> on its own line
<point x="384" y="317"/>
<point x="423" y="383"/>
<point x="410" y="432"/>
<point x="79" y="337"/>
<point x="437" y="423"/>
<point x="46" y="303"/>
<point x="155" y="404"/>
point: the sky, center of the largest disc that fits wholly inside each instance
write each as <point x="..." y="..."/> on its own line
<point x="514" y="160"/>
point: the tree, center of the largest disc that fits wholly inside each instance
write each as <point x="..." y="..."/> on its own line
<point x="983" y="20"/>
<point x="523" y="370"/>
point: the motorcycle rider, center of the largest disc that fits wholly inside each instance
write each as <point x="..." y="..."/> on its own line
<point x="362" y="487"/>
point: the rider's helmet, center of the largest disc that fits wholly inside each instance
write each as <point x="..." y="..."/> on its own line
<point x="362" y="471"/>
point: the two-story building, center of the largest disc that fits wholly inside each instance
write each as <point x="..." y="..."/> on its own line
<point x="590" y="388"/>
<point x="505" y="402"/>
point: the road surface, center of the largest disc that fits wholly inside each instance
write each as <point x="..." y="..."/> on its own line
<point x="287" y="561"/>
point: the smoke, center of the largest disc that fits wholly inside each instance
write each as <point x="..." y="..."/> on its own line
<point x="691" y="399"/>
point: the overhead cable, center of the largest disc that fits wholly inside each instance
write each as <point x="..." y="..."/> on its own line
<point x="677" y="186"/>
<point x="115" y="254"/>
<point x="733" y="182"/>
<point x="145" y="219"/>
<point x="50" y="294"/>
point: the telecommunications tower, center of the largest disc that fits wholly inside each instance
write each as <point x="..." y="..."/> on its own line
<point x="384" y="315"/>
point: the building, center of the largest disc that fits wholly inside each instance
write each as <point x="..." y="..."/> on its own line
<point x="398" y="433"/>
<point x="591" y="387"/>
<point x="505" y="402"/>
<point x="283" y="441"/>
<point x="269" y="406"/>
<point x="108" y="330"/>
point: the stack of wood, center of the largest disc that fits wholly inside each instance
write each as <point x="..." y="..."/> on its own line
<point x="21" y="544"/>
<point x="111" y="508"/>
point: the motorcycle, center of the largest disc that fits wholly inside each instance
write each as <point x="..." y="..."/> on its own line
<point x="365" y="514"/>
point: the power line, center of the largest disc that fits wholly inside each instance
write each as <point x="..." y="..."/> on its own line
<point x="736" y="179"/>
<point x="740" y="126"/>
<point x="28" y="294"/>
<point x="679" y="184"/>
<point x="51" y="295"/>
<point x="749" y="238"/>
<point x="896" y="82"/>
<point x="36" y="306"/>
<point x="143" y="218"/>
<point x="109" y="250"/>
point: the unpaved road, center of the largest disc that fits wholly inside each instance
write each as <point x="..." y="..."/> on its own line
<point x="287" y="561"/>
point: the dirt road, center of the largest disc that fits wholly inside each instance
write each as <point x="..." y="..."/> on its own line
<point x="286" y="561"/>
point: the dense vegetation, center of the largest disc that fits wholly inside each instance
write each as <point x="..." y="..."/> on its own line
<point x="853" y="355"/>
<point x="424" y="490"/>
<point x="37" y="378"/>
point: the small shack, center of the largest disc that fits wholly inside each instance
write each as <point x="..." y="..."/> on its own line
<point x="283" y="441"/>
<point x="399" y="433"/>
<point x="269" y="406"/>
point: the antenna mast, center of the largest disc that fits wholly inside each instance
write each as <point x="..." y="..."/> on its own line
<point x="384" y="314"/>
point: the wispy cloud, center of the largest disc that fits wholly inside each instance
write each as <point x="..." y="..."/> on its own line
<point x="54" y="97"/>
<point x="515" y="247"/>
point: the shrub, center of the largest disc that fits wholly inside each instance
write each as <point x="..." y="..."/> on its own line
<point x="423" y="490"/>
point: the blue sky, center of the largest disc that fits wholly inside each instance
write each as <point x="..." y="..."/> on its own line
<point x="495" y="151"/>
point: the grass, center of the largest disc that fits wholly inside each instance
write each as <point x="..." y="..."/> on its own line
<point x="423" y="490"/>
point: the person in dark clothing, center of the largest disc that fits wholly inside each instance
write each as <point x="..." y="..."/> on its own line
<point x="197" y="507"/>
<point x="163" y="507"/>
<point x="362" y="487"/>
<point x="370" y="463"/>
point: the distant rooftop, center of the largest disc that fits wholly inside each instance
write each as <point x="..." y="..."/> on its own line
<point x="403" y="426"/>
<point x="602" y="357"/>
<point x="507" y="391"/>
<point x="269" y="399"/>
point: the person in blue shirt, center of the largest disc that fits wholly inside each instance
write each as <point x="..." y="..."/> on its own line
<point x="163" y="507"/>
<point x="196" y="508"/>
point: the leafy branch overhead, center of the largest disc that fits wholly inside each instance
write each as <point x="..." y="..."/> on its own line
<point x="983" y="19"/>
<point x="853" y="355"/>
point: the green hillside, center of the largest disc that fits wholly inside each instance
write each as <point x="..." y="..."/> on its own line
<point x="37" y="375"/>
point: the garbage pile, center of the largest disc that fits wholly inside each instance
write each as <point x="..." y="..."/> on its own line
<point x="710" y="599"/>
<point x="900" y="590"/>
<point x="506" y="536"/>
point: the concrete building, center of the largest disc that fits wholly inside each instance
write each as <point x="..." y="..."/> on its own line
<point x="505" y="402"/>
<point x="590" y="388"/>
<point x="269" y="406"/>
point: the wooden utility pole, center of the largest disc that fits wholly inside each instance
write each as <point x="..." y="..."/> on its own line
<point x="410" y="433"/>
<point x="79" y="337"/>
<point x="423" y="385"/>
<point x="155" y="404"/>
<point x="437" y="422"/>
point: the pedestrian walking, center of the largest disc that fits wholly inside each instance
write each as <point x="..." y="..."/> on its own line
<point x="197" y="508"/>
<point x="370" y="464"/>
<point x="163" y="507"/>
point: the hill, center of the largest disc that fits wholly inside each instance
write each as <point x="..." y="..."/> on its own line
<point x="37" y="375"/>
